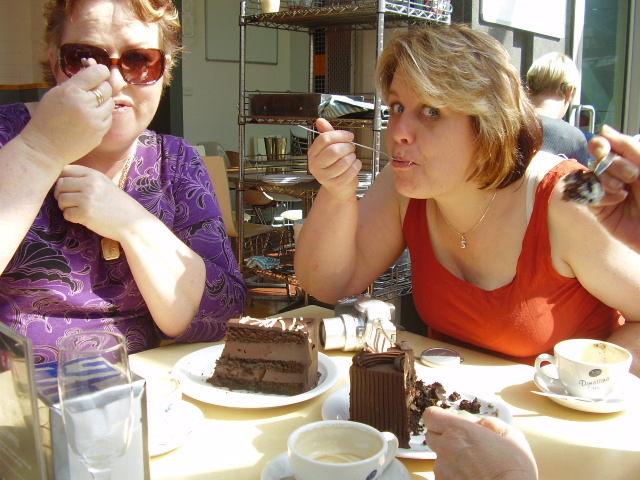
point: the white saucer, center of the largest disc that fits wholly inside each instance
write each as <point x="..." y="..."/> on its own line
<point x="187" y="418"/>
<point x="279" y="467"/>
<point x="630" y="391"/>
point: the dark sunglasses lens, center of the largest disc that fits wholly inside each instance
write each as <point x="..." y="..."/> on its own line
<point x="71" y="56"/>
<point x="141" y="66"/>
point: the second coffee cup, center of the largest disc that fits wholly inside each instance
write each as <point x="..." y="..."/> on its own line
<point x="163" y="397"/>
<point x="340" y="450"/>
<point x="587" y="368"/>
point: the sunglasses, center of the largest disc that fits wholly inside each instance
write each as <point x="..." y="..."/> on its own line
<point x="138" y="66"/>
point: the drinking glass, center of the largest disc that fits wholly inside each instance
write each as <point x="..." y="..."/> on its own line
<point x="96" y="397"/>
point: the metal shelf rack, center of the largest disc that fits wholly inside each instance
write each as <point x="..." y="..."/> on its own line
<point x="356" y="15"/>
<point x="327" y="15"/>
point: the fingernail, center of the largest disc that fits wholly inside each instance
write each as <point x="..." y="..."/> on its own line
<point x="630" y="172"/>
<point x="615" y="184"/>
<point x="601" y="151"/>
<point x="607" y="130"/>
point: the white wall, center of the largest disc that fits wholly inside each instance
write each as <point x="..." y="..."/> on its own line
<point x="20" y="51"/>
<point x="211" y="89"/>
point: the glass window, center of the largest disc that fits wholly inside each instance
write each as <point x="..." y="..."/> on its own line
<point x="604" y="61"/>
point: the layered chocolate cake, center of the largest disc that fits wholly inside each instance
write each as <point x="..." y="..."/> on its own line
<point x="277" y="356"/>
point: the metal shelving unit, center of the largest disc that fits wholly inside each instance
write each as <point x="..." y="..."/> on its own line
<point x="332" y="15"/>
<point x="356" y="15"/>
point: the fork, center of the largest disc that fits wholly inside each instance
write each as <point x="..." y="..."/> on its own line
<point x="352" y="143"/>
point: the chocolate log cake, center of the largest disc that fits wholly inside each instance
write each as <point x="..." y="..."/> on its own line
<point x="383" y="389"/>
<point x="386" y="394"/>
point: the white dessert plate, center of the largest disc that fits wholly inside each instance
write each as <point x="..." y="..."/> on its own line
<point x="629" y="390"/>
<point x="279" y="468"/>
<point x="186" y="419"/>
<point x="336" y="407"/>
<point x="194" y="369"/>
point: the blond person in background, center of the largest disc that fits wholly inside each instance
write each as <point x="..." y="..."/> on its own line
<point x="552" y="81"/>
<point x="499" y="259"/>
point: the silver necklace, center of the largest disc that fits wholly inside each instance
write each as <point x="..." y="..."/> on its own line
<point x="463" y="236"/>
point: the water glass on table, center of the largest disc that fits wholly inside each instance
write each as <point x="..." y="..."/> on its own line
<point x="96" y="398"/>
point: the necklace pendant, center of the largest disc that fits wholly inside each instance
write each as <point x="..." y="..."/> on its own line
<point x="110" y="249"/>
<point x="463" y="241"/>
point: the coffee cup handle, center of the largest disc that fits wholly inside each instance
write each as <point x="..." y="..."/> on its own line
<point x="545" y="357"/>
<point x="392" y="449"/>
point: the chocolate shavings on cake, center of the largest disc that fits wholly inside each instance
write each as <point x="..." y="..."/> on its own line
<point x="583" y="187"/>
<point x="435" y="395"/>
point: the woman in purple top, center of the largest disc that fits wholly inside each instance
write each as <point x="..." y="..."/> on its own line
<point x="105" y="224"/>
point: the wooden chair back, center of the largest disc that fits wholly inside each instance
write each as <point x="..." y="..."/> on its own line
<point x="218" y="173"/>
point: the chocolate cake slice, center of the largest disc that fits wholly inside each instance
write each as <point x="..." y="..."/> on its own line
<point x="278" y="356"/>
<point x="386" y="394"/>
<point x="383" y="389"/>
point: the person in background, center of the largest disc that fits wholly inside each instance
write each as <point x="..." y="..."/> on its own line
<point x="499" y="258"/>
<point x="105" y="224"/>
<point x="551" y="83"/>
<point x="489" y="449"/>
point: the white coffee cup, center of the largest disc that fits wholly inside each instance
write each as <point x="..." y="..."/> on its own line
<point x="340" y="450"/>
<point x="163" y="397"/>
<point x="586" y="368"/>
<point x="270" y="6"/>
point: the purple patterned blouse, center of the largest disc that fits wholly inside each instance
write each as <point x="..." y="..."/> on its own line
<point x="57" y="281"/>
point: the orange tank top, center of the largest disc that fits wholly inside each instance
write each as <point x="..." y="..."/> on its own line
<point x="522" y="319"/>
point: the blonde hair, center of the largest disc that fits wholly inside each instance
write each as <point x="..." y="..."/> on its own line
<point x="162" y="12"/>
<point x="471" y="73"/>
<point x="553" y="74"/>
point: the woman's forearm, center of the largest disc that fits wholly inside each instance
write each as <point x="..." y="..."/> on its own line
<point x="326" y="252"/>
<point x="26" y="179"/>
<point x="170" y="276"/>
<point x="628" y="336"/>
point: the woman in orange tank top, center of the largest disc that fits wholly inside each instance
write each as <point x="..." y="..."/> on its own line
<point x="499" y="259"/>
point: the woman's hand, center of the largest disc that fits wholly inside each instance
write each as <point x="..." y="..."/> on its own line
<point x="489" y="449"/>
<point x="333" y="162"/>
<point x="619" y="211"/>
<point x="88" y="197"/>
<point x="68" y="121"/>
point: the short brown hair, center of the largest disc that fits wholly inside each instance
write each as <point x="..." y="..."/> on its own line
<point x="164" y="12"/>
<point x="471" y="73"/>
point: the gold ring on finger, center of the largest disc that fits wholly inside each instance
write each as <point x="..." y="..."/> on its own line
<point x="99" y="96"/>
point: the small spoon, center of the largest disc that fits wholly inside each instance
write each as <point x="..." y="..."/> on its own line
<point x="582" y="399"/>
<point x="353" y="143"/>
<point x="604" y="163"/>
<point x="440" y="357"/>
